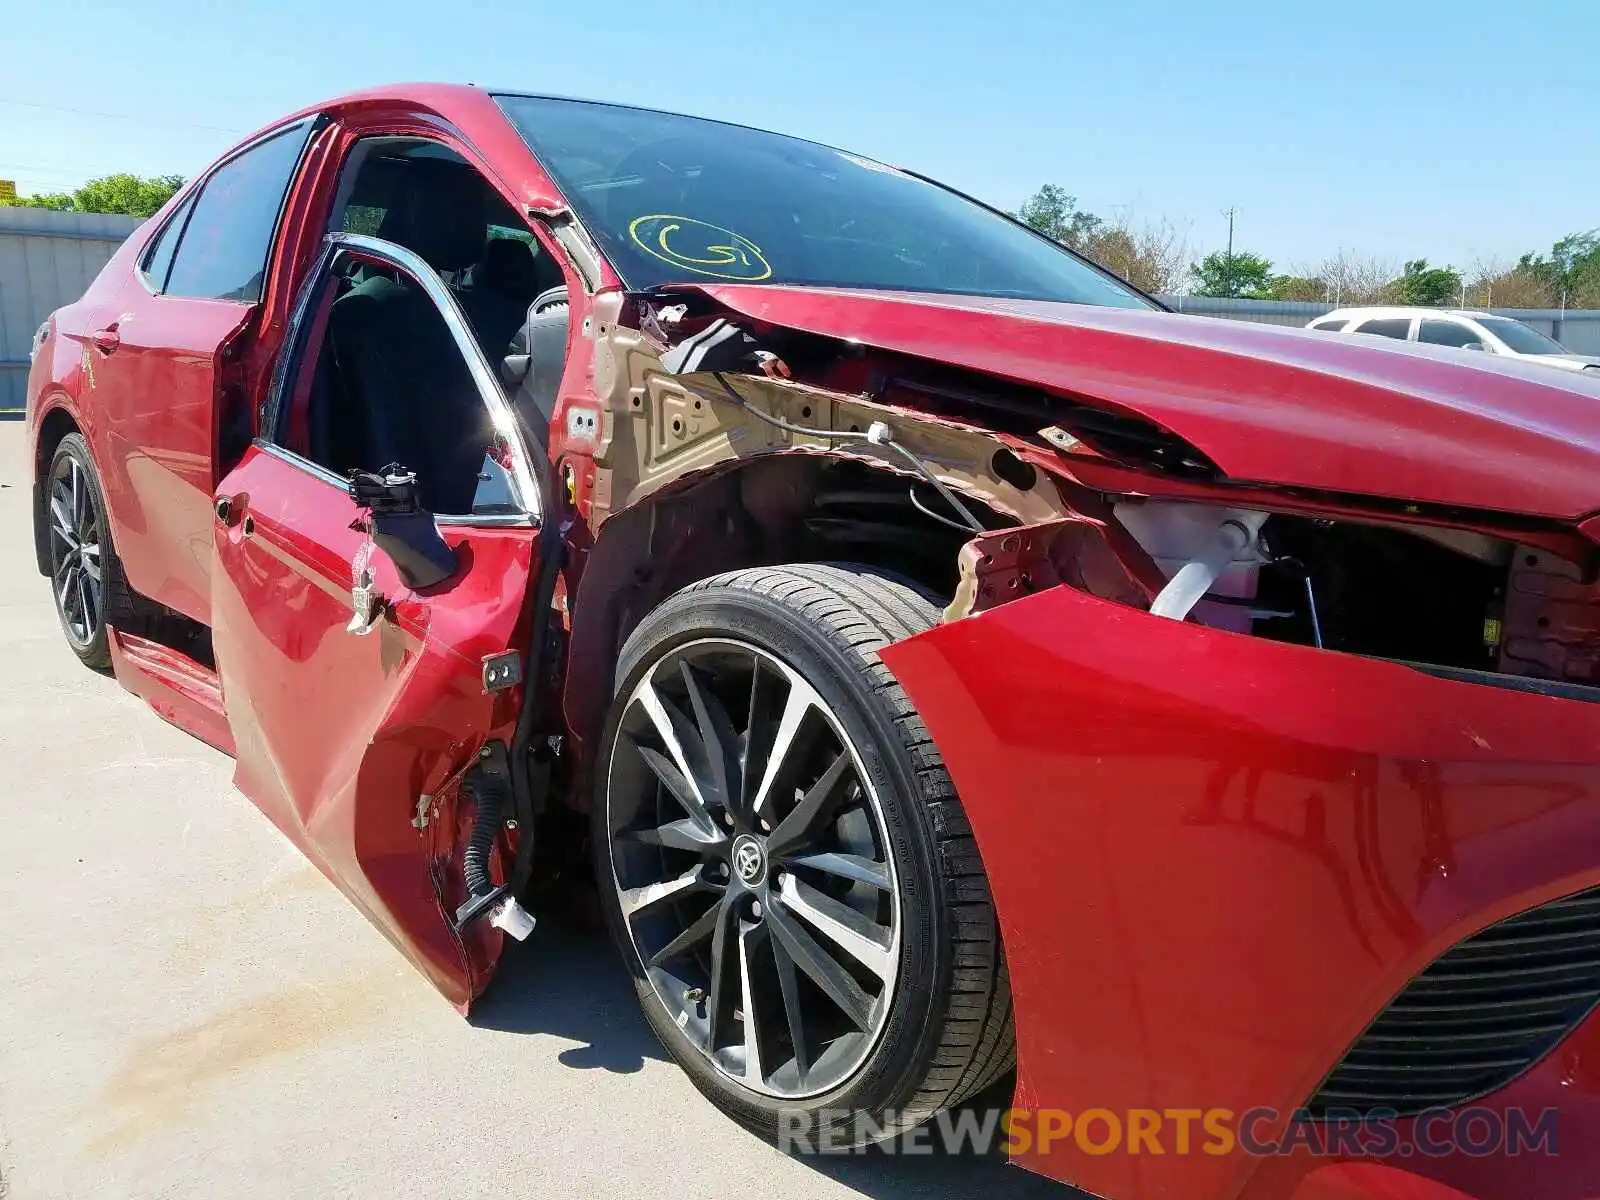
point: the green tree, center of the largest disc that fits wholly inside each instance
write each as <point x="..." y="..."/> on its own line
<point x="1055" y="214"/>
<point x="56" y="201"/>
<point x="1572" y="269"/>
<point x="1239" y="276"/>
<point x="131" y="195"/>
<point x="1297" y="287"/>
<point x="1421" y="284"/>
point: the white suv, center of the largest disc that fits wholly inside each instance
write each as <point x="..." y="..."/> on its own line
<point x="1457" y="327"/>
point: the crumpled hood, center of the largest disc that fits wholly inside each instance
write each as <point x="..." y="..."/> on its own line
<point x="1267" y="404"/>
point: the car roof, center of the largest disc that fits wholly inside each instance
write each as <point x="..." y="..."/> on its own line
<point x="456" y="100"/>
<point x="1403" y="310"/>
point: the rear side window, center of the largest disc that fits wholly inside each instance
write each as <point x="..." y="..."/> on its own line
<point x="1390" y="327"/>
<point x="1447" y="333"/>
<point x="223" y="254"/>
<point x="1330" y="326"/>
<point x="158" y="258"/>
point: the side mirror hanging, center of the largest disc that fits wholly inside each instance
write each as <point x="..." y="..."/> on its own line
<point x="401" y="527"/>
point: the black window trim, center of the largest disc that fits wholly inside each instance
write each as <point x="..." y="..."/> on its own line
<point x="528" y="471"/>
<point x="180" y="219"/>
<point x="191" y="201"/>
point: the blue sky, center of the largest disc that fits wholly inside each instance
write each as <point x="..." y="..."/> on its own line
<point x="1461" y="132"/>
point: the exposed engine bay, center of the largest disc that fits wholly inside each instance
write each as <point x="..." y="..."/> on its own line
<point x="1431" y="597"/>
<point x="1474" y="598"/>
<point x="1453" y="600"/>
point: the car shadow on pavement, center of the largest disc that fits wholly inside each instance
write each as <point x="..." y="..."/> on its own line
<point x="567" y="980"/>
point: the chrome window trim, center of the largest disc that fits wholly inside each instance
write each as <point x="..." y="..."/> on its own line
<point x="522" y="520"/>
<point x="527" y="492"/>
<point x="305" y="464"/>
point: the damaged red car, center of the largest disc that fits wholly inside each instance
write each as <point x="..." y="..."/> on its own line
<point x="951" y="660"/>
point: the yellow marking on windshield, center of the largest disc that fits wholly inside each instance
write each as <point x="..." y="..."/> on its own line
<point x="699" y="246"/>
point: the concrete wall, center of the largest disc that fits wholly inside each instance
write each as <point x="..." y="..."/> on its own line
<point x="46" y="260"/>
<point x="1576" y="329"/>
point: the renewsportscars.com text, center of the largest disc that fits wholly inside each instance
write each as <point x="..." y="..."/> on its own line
<point x="1476" y="1132"/>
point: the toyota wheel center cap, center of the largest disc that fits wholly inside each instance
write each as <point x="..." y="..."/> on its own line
<point x="749" y="860"/>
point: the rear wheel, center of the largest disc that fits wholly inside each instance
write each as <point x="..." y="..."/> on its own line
<point x="81" y="559"/>
<point x="785" y="863"/>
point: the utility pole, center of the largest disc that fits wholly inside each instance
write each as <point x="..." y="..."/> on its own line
<point x="1230" y="213"/>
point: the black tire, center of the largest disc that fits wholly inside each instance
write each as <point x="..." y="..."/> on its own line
<point x="948" y="1033"/>
<point x="83" y="623"/>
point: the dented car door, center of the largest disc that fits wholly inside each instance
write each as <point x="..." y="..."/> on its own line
<point x="361" y="694"/>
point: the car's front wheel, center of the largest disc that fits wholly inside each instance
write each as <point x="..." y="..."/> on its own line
<point x="785" y="863"/>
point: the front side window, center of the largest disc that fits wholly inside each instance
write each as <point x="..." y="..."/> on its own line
<point x="425" y="197"/>
<point x="1521" y="338"/>
<point x="224" y="248"/>
<point x="1389" y="327"/>
<point x="382" y="379"/>
<point x="676" y="199"/>
<point x="1447" y="333"/>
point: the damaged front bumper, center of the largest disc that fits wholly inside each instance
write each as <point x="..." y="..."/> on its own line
<point x="1217" y="859"/>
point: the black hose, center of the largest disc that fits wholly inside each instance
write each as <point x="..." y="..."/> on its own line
<point x="487" y="793"/>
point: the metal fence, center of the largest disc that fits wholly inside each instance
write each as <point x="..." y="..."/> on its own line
<point x="1578" y="329"/>
<point x="46" y="260"/>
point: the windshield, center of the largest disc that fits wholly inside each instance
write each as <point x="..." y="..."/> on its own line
<point x="682" y="200"/>
<point x="1520" y="338"/>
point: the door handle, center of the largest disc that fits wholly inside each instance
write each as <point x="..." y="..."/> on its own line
<point x="106" y="340"/>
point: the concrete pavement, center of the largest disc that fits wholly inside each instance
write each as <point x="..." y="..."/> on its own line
<point x="189" y="1010"/>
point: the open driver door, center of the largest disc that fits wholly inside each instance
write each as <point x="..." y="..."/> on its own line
<point x="371" y="634"/>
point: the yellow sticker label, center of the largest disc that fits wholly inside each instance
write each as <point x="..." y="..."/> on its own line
<point x="700" y="247"/>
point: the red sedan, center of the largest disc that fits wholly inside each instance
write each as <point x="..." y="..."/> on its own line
<point x="957" y="662"/>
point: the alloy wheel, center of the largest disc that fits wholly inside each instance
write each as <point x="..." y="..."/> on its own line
<point x="75" y="565"/>
<point x="752" y="867"/>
